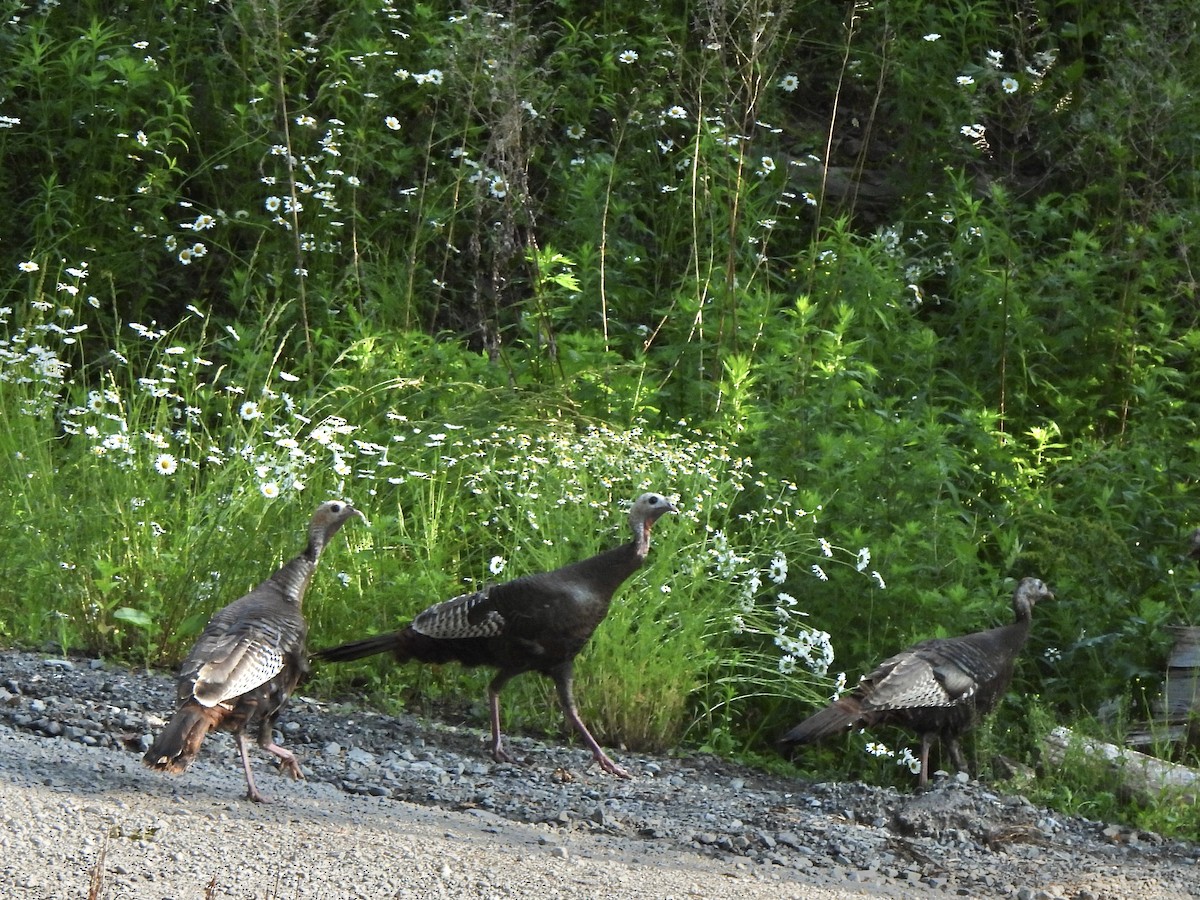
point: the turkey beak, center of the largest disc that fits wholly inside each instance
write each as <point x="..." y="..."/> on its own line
<point x="649" y="523"/>
<point x="362" y="515"/>
<point x="669" y="508"/>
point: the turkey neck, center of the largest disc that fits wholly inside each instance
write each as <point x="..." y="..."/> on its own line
<point x="295" y="576"/>
<point x="1023" y="610"/>
<point x="1017" y="633"/>
<point x="603" y="573"/>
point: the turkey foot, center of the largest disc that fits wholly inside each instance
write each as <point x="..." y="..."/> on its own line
<point x="500" y="755"/>
<point x="287" y="761"/>
<point x="609" y="766"/>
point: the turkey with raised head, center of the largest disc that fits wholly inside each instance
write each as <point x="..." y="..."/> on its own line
<point x="936" y="688"/>
<point x="536" y="623"/>
<point x="247" y="662"/>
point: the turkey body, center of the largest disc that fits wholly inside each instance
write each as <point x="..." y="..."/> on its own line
<point x="536" y="623"/>
<point x="937" y="688"/>
<point x="246" y="663"/>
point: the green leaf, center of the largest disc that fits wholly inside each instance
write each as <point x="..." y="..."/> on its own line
<point x="134" y="617"/>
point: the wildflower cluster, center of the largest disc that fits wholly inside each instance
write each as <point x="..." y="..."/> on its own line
<point x="904" y="757"/>
<point x="160" y="405"/>
<point x="39" y="336"/>
<point x="510" y="472"/>
<point x="774" y="556"/>
<point x="993" y="75"/>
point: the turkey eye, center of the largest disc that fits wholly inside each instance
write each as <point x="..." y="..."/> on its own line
<point x="652" y="501"/>
<point x="336" y="507"/>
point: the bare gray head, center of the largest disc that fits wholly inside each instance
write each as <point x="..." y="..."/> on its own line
<point x="329" y="517"/>
<point x="1028" y="593"/>
<point x="646" y="510"/>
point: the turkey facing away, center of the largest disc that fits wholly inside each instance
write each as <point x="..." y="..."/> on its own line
<point x="247" y="662"/>
<point x="939" y="687"/>
<point x="536" y="623"/>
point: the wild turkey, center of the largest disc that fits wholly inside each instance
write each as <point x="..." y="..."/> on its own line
<point x="940" y="686"/>
<point x="248" y="660"/>
<point x="536" y="623"/>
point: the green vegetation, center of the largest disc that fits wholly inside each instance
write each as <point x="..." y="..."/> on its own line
<point x="896" y="299"/>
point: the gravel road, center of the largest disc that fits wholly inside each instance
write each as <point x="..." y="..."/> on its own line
<point x="399" y="807"/>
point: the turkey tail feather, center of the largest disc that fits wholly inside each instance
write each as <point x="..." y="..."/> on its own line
<point x="178" y="743"/>
<point x="832" y="719"/>
<point x="408" y="644"/>
<point x="392" y="642"/>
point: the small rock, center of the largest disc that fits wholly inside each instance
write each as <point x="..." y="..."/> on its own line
<point x="788" y="839"/>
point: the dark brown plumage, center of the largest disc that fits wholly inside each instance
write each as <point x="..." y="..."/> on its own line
<point x="247" y="662"/>
<point x="537" y="623"/>
<point x="939" y="687"/>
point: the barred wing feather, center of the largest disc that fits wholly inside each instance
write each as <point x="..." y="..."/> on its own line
<point x="251" y="662"/>
<point x="464" y="616"/>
